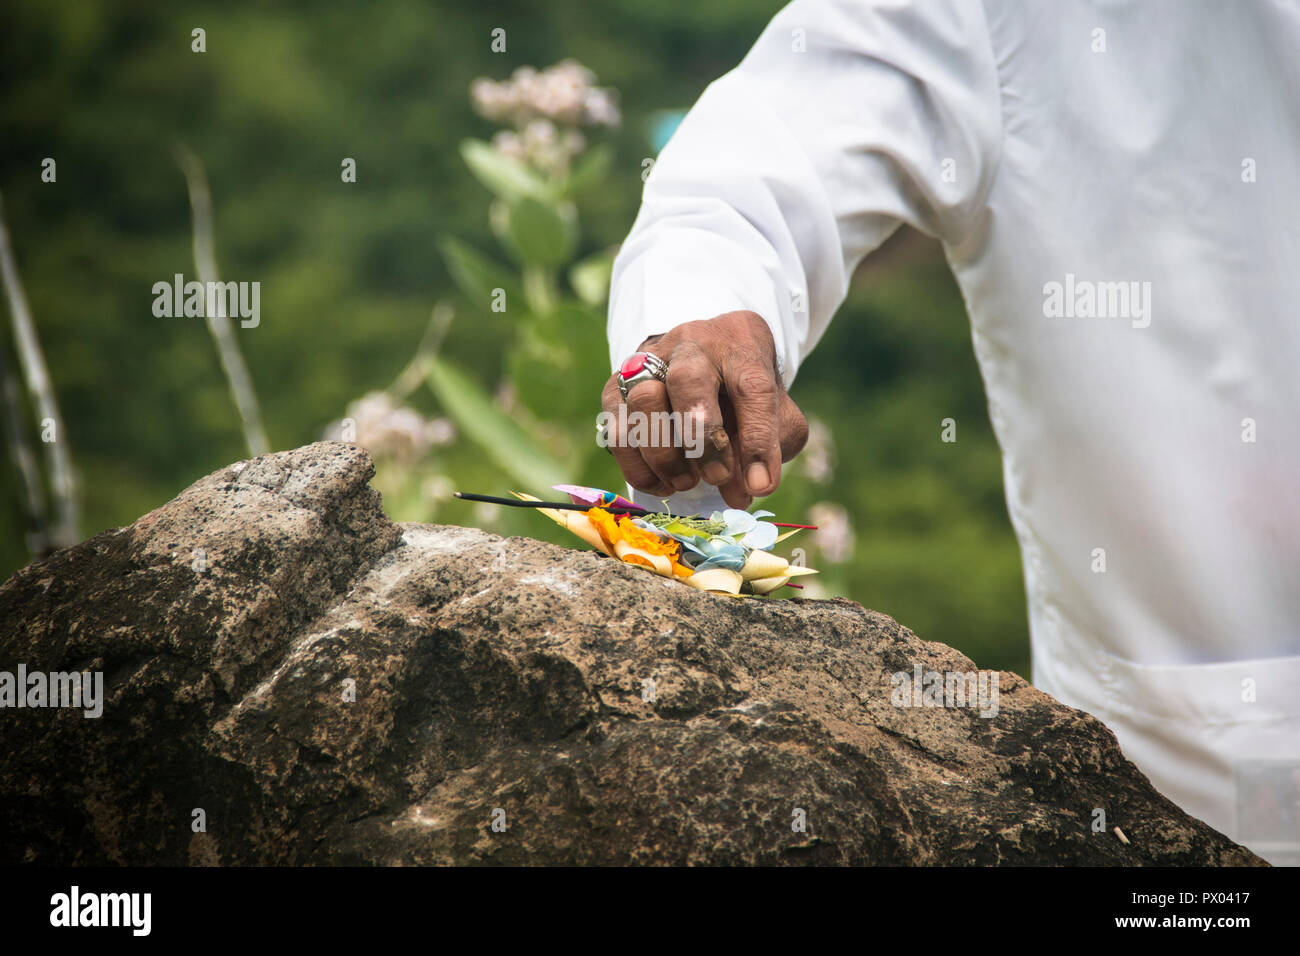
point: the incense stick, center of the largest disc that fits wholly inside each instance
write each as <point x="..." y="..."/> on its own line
<point x="559" y="505"/>
<point x="572" y="506"/>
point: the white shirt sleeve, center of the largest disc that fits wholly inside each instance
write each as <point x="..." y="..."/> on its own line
<point x="847" y="118"/>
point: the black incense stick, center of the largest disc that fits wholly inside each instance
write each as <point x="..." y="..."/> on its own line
<point x="572" y="506"/>
<point x="560" y="505"/>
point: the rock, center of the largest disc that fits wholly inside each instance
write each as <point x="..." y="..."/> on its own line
<point x="508" y="682"/>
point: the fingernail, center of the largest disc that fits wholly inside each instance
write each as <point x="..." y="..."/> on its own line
<point x="715" y="472"/>
<point x="757" y="476"/>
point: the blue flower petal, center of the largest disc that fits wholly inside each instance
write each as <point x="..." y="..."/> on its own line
<point x="732" y="558"/>
<point x="738" y="522"/>
<point x="763" y="537"/>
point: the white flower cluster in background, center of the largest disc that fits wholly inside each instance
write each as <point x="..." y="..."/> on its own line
<point x="384" y="428"/>
<point x="834" y="535"/>
<point x="545" y="109"/>
<point x="541" y="144"/>
<point x="565" y="93"/>
<point x="818" y="456"/>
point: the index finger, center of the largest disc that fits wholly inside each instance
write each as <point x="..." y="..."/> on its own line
<point x="693" y="383"/>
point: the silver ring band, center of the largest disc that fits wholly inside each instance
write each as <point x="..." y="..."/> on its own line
<point x="651" y="366"/>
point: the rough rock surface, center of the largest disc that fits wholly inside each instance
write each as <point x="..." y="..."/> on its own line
<point x="504" y="679"/>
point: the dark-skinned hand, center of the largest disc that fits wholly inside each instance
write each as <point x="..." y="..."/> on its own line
<point x="724" y="372"/>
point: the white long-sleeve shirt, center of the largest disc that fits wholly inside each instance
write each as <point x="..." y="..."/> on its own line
<point x="1116" y="184"/>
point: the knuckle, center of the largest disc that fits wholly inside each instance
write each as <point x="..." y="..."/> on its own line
<point x="751" y="325"/>
<point x="696" y="329"/>
<point x="645" y="397"/>
<point x="691" y="372"/>
<point x="752" y="382"/>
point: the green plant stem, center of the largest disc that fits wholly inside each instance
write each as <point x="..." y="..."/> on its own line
<point x="430" y="345"/>
<point x="540" y="289"/>
<point x="63" y="480"/>
<point x="205" y="261"/>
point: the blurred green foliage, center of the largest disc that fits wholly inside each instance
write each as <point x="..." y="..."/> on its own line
<point x="350" y="271"/>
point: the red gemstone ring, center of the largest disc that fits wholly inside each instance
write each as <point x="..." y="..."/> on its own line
<point x="640" y="367"/>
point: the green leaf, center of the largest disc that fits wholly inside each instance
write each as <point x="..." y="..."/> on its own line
<point x="559" y="364"/>
<point x="590" y="170"/>
<point x="590" y="277"/>
<point x="503" y="439"/>
<point x="477" y="276"/>
<point x="543" y="233"/>
<point x="504" y="176"/>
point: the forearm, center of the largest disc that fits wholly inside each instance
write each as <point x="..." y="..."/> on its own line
<point x="845" y="120"/>
<point x="733" y="218"/>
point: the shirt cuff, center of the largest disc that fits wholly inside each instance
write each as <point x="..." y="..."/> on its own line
<point x="688" y="275"/>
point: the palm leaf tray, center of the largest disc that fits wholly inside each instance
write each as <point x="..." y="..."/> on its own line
<point x="729" y="552"/>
